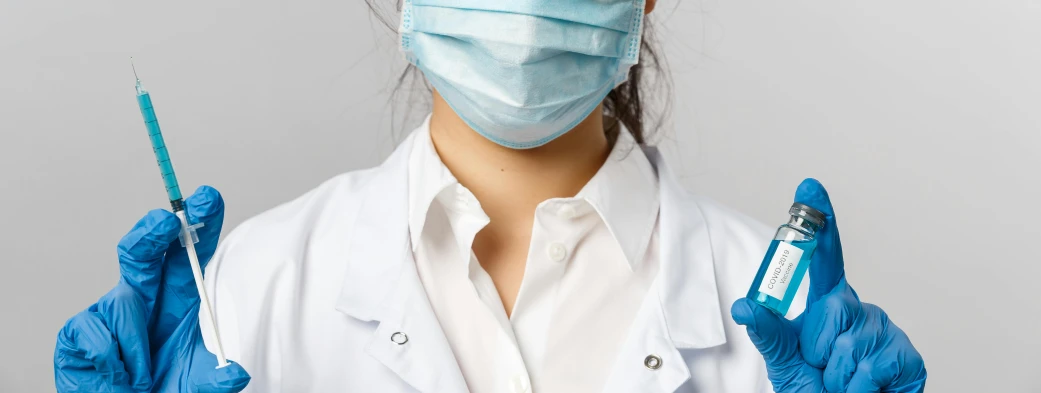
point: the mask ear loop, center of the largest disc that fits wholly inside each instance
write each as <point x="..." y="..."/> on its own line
<point x="632" y="53"/>
<point x="405" y="30"/>
<point x="634" y="41"/>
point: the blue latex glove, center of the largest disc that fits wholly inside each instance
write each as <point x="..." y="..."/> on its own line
<point x="838" y="344"/>
<point x="143" y="335"/>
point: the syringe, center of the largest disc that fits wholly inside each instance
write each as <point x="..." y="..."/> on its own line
<point x="188" y="232"/>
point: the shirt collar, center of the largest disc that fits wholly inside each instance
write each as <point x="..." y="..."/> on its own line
<point x="624" y="192"/>
<point x="427" y="177"/>
<point x="378" y="258"/>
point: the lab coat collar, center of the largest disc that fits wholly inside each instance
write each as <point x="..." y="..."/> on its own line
<point x="382" y="285"/>
<point x="378" y="246"/>
<point x="687" y="279"/>
<point x="379" y="255"/>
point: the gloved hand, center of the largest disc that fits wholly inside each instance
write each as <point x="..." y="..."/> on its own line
<point x="143" y="335"/>
<point x="838" y="344"/>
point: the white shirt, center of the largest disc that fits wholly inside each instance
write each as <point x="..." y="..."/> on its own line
<point x="591" y="262"/>
<point x="322" y="294"/>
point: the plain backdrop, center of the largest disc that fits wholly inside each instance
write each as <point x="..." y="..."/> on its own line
<point x="922" y="117"/>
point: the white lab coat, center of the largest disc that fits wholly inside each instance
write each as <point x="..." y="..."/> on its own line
<point x="308" y="295"/>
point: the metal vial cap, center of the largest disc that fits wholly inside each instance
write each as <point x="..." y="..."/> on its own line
<point x="807" y="213"/>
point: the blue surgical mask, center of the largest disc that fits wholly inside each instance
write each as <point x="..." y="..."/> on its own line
<point x="522" y="72"/>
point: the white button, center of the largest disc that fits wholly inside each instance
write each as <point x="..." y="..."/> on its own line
<point x="567" y="212"/>
<point x="519" y="384"/>
<point x="556" y="252"/>
<point x="461" y="195"/>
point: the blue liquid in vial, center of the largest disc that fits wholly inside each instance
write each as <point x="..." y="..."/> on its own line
<point x="780" y="306"/>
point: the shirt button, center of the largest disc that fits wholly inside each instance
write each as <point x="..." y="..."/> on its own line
<point x="462" y="195"/>
<point x="567" y="212"/>
<point x="556" y="252"/>
<point x="519" y="384"/>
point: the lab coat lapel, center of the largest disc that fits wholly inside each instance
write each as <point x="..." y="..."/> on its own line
<point x="648" y="341"/>
<point x="683" y="309"/>
<point x="687" y="279"/>
<point x="382" y="285"/>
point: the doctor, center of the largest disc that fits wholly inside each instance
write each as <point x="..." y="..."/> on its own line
<point x="522" y="239"/>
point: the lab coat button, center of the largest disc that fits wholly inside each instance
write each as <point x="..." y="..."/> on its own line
<point x="556" y="252"/>
<point x="652" y="362"/>
<point x="399" y="338"/>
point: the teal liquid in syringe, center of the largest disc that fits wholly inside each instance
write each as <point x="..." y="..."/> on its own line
<point x="188" y="232"/>
<point x="162" y="155"/>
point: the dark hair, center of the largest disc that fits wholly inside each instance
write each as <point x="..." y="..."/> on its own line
<point x="626" y="104"/>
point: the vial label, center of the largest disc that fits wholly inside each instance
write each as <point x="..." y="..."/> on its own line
<point x="779" y="274"/>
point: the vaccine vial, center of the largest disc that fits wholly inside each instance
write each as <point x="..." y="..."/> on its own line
<point x="787" y="259"/>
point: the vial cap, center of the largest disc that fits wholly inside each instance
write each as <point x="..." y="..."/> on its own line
<point x="807" y="213"/>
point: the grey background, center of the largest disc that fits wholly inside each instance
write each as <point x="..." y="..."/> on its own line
<point x="922" y="117"/>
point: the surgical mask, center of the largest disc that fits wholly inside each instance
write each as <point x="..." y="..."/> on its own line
<point x="522" y="72"/>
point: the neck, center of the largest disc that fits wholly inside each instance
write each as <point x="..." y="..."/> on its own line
<point x="510" y="183"/>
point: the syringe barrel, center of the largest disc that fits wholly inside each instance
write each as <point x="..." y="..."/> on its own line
<point x="162" y="156"/>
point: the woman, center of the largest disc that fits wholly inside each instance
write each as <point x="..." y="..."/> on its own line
<point x="519" y="240"/>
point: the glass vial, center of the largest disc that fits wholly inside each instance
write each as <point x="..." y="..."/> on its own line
<point x="787" y="259"/>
